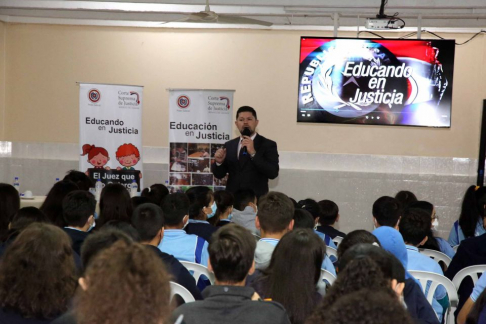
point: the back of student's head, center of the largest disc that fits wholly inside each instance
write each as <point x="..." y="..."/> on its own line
<point x="329" y="212"/>
<point x="77" y="207"/>
<point x="115" y="204"/>
<point x="356" y="237"/>
<point x="224" y="200"/>
<point x="231" y="253"/>
<point x="387" y="211"/>
<point x="9" y="205"/>
<point x="148" y="220"/>
<point x="155" y="193"/>
<point x="99" y="241"/>
<point x="80" y="179"/>
<point x="175" y="207"/>
<point x="303" y="219"/>
<point x="126" y="283"/>
<point x="275" y="212"/>
<point x="26" y="216"/>
<point x="200" y="194"/>
<point x="405" y="198"/>
<point x="311" y="206"/>
<point x="243" y="197"/>
<point x="37" y="273"/>
<point x="472" y="210"/>
<point x="424" y="205"/>
<point x="124" y="227"/>
<point x="138" y="200"/>
<point x="52" y="206"/>
<point x="414" y="225"/>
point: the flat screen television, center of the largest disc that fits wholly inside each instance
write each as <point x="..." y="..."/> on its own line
<point x="376" y="81"/>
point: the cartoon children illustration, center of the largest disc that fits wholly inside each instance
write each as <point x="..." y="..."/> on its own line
<point x="97" y="156"/>
<point x="128" y="155"/>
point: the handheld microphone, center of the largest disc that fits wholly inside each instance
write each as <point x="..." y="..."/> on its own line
<point x="246" y="132"/>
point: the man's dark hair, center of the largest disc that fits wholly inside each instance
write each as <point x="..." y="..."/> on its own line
<point x="303" y="219"/>
<point x="175" y="207"/>
<point x="148" y="219"/>
<point x="77" y="207"/>
<point x="414" y="225"/>
<point x="231" y="253"/>
<point x="243" y="197"/>
<point x="246" y="109"/>
<point x="275" y="212"/>
<point x="80" y="179"/>
<point x="99" y="241"/>
<point x="329" y="212"/>
<point x="387" y="211"/>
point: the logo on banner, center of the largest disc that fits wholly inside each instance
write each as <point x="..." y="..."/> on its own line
<point x="218" y="105"/>
<point x="227" y="101"/>
<point x="183" y="102"/>
<point x="94" y="95"/>
<point x="137" y="96"/>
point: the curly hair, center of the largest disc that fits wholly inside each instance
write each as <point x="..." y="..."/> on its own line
<point x="360" y="273"/>
<point x="367" y="306"/>
<point x="37" y="273"/>
<point x="127" y="284"/>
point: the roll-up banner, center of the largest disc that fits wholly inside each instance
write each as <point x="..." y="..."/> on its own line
<point x="200" y="122"/>
<point x="110" y="133"/>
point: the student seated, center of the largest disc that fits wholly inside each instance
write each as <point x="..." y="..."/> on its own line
<point x="78" y="209"/>
<point x="224" y="208"/>
<point x="303" y="219"/>
<point x="356" y="237"/>
<point x="414" y="227"/>
<point x="386" y="212"/>
<point x="328" y="218"/>
<point x="9" y="205"/>
<point x="200" y="210"/>
<point x="52" y="205"/>
<point x="245" y="209"/>
<point x="80" y="179"/>
<point x="183" y="246"/>
<point x="473" y="310"/>
<point x="405" y="198"/>
<point x="313" y="208"/>
<point x="229" y="301"/>
<point x="115" y="204"/>
<point x="155" y="193"/>
<point x="148" y="220"/>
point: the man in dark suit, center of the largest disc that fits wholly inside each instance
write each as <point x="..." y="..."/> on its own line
<point x="249" y="160"/>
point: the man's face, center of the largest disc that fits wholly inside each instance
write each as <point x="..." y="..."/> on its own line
<point x="246" y="120"/>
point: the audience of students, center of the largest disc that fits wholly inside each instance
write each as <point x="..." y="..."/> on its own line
<point x="245" y="209"/>
<point x="115" y="204"/>
<point x="328" y="218"/>
<point x="52" y="206"/>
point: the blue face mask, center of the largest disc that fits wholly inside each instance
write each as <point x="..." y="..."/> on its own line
<point x="230" y="216"/>
<point x="213" y="210"/>
<point x="92" y="226"/>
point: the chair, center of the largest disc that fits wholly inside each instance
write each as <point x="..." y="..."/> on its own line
<point x="325" y="279"/>
<point x="176" y="289"/>
<point x="436" y="256"/>
<point x="331" y="252"/>
<point x="455" y="248"/>
<point x="436" y="279"/>
<point x="471" y="271"/>
<point x="198" y="270"/>
<point x="337" y="240"/>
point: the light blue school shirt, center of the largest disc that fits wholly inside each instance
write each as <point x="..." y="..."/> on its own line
<point x="326" y="238"/>
<point x="326" y="264"/>
<point x="478" y="288"/>
<point x="185" y="247"/>
<point x="445" y="247"/>
<point x="456" y="236"/>
<point x="421" y="262"/>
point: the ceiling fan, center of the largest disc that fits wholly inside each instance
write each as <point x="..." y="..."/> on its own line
<point x="208" y="16"/>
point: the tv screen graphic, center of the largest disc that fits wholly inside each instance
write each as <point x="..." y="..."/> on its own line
<point x="376" y="81"/>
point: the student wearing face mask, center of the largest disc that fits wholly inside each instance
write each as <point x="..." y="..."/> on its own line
<point x="245" y="210"/>
<point x="201" y="210"/>
<point x="224" y="207"/>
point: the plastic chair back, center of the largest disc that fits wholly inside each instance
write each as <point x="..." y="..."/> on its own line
<point x="325" y="279"/>
<point x="436" y="279"/>
<point x="330" y="251"/>
<point x="176" y="289"/>
<point x="197" y="270"/>
<point x="472" y="271"/>
<point x="337" y="240"/>
<point x="455" y="248"/>
<point x="436" y="256"/>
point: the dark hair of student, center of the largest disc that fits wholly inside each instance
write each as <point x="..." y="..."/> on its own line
<point x="130" y="282"/>
<point x="303" y="219"/>
<point x="9" y="205"/>
<point x="475" y="313"/>
<point x="175" y="206"/>
<point x="311" y="206"/>
<point x="80" y="179"/>
<point x="155" y="193"/>
<point x="77" y="207"/>
<point x="329" y="212"/>
<point x="201" y="195"/>
<point x="26" y="216"/>
<point x="115" y="204"/>
<point x="138" y="200"/>
<point x="405" y="198"/>
<point x="387" y="211"/>
<point x="148" y="220"/>
<point x="246" y="109"/>
<point x="196" y="212"/>
<point x="99" y="241"/>
<point x="353" y="238"/>
<point x="414" y="225"/>
<point x="231" y="252"/>
<point x="293" y="284"/>
<point x="472" y="210"/>
<point x="37" y="273"/>
<point x="52" y="206"/>
<point x="275" y="212"/>
<point x="431" y="243"/>
<point x="124" y="227"/>
<point x="360" y="273"/>
<point x="224" y="200"/>
<point x="367" y="306"/>
<point x="243" y="197"/>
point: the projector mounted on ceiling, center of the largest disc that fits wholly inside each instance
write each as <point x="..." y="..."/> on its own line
<point x="382" y="21"/>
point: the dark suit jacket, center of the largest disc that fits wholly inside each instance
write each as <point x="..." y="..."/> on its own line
<point x="255" y="172"/>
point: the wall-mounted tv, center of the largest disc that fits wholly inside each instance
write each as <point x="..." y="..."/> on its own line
<point x="376" y="81"/>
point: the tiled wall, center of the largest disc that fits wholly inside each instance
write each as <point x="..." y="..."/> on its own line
<point x="354" y="182"/>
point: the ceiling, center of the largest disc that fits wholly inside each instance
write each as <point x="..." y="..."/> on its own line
<point x="284" y="14"/>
